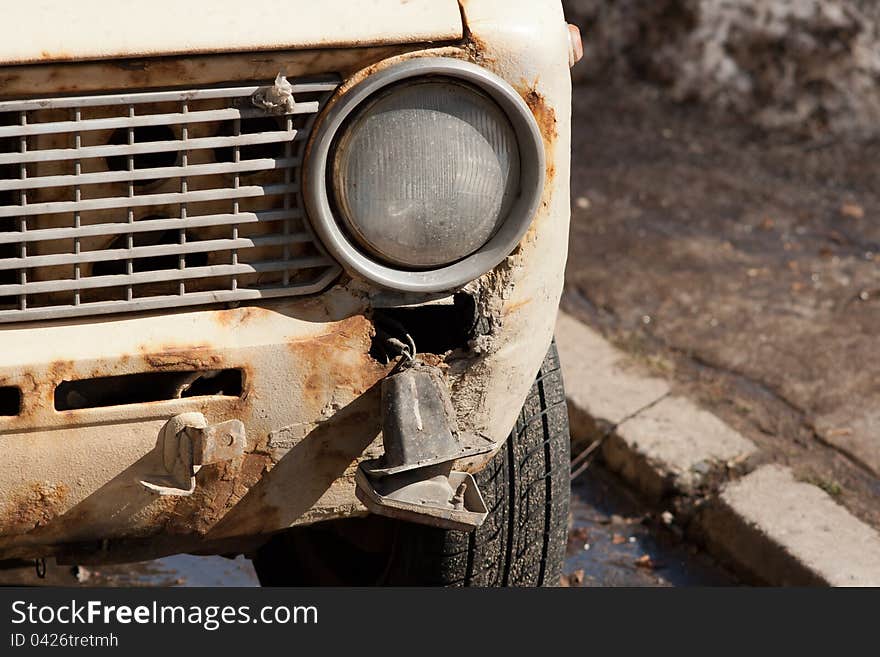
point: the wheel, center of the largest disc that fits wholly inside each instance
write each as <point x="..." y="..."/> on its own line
<point x="521" y="543"/>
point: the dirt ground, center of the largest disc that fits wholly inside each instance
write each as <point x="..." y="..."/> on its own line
<point x="742" y="265"/>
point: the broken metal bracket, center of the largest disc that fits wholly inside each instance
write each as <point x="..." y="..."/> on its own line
<point x="450" y="501"/>
<point x="187" y="443"/>
<point x="414" y="480"/>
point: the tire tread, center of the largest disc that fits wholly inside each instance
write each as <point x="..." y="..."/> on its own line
<point x="526" y="488"/>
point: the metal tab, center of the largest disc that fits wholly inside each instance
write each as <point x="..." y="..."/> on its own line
<point x="188" y="443"/>
<point x="218" y="442"/>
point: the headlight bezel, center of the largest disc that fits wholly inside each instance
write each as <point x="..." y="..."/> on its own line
<point x="331" y="230"/>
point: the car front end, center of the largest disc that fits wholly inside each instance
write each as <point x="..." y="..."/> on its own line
<point x="206" y="216"/>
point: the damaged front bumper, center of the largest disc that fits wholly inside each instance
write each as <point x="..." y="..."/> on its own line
<point x="213" y="469"/>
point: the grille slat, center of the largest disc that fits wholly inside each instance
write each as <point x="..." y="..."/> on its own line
<point x="172" y="198"/>
<point x="94" y="282"/>
<point x="157" y="251"/>
<point x="142" y="121"/>
<point x="87" y="152"/>
<point x="152" y="97"/>
<point x="246" y="166"/>
<point x="311" y="286"/>
<point x="153" y="200"/>
<point x="152" y="225"/>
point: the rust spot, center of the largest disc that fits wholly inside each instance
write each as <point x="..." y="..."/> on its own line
<point x="35" y="507"/>
<point x="513" y="307"/>
<point x="477" y="51"/>
<point x="544" y="114"/>
<point x="248" y="383"/>
<point x="220" y="487"/>
<point x="59" y="56"/>
<point x="237" y="317"/>
<point x="337" y="364"/>
<point x="30" y="401"/>
<point x="172" y="358"/>
<point x="432" y="359"/>
<point x="60" y="370"/>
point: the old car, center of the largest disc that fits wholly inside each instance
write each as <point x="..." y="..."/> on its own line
<point x="280" y="279"/>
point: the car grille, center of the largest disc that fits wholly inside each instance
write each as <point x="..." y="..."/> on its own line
<point x="154" y="199"/>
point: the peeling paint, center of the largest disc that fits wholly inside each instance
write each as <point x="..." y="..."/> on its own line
<point x="198" y="357"/>
<point x="544" y="114"/>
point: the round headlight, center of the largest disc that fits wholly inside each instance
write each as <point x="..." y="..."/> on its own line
<point x="425" y="175"/>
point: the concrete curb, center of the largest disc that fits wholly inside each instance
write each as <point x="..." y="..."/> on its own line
<point x="766" y="525"/>
<point x="674" y="447"/>
<point x="662" y="445"/>
<point x="788" y="532"/>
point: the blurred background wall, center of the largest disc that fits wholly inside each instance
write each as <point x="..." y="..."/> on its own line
<point x="810" y="66"/>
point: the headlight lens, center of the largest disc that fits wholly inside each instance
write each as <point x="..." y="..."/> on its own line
<point x="426" y="172"/>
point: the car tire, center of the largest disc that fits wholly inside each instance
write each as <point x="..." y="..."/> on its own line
<point x="521" y="543"/>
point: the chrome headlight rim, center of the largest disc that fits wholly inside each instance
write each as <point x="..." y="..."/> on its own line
<point x="331" y="230"/>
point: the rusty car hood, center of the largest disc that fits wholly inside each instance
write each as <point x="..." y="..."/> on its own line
<point x="56" y="30"/>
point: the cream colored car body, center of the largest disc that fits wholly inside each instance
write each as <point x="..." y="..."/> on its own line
<point x="70" y="481"/>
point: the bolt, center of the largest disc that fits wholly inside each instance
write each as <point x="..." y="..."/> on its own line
<point x="458" y="498"/>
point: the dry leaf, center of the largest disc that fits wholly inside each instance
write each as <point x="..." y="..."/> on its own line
<point x="852" y="210"/>
<point x="646" y="562"/>
<point x="574" y="579"/>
